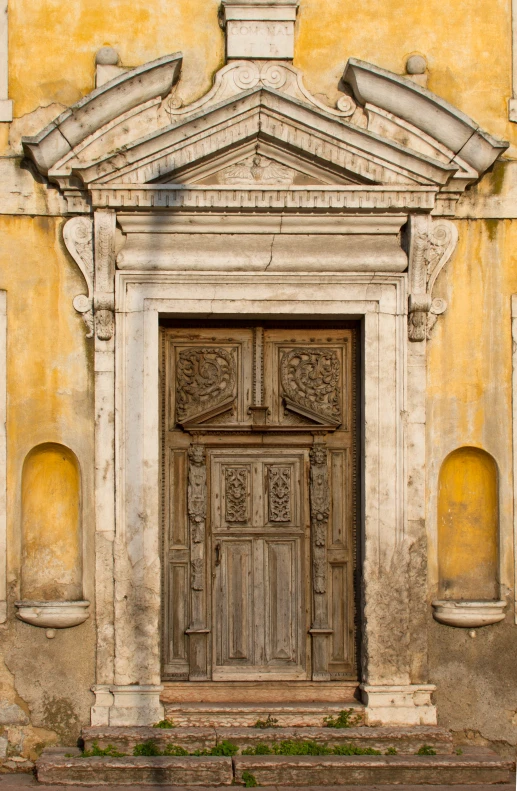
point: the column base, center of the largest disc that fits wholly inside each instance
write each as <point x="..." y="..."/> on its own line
<point x="127" y="705"/>
<point x="100" y="711"/>
<point x="399" y="705"/>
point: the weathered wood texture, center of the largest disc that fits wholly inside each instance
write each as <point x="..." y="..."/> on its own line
<point x="258" y="432"/>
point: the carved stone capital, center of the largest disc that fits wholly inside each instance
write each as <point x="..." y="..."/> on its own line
<point x="431" y="245"/>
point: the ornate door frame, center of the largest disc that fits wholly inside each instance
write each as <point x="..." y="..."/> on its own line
<point x="128" y="688"/>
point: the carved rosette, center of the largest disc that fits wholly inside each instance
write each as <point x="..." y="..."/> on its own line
<point x="205" y="383"/>
<point x="432" y="244"/>
<point x="197" y="493"/>
<point x="279" y="494"/>
<point x="236" y="495"/>
<point x="310" y="383"/>
<point x="78" y="238"/>
<point x="320" y="511"/>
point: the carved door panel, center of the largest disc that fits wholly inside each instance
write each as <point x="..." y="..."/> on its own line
<point x="258" y="427"/>
<point x="259" y="546"/>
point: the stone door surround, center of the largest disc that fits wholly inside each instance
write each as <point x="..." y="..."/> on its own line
<point x="392" y="424"/>
<point x="260" y="200"/>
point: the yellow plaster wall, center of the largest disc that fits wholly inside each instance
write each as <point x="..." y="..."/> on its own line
<point x="48" y="361"/>
<point x="52" y="45"/>
<point x="469" y="387"/>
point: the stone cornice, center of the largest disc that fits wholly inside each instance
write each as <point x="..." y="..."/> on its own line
<point x="267" y="199"/>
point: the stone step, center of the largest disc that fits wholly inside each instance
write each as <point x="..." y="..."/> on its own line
<point x="404" y="740"/>
<point x="56" y="768"/>
<point x="375" y="769"/>
<point x="237" y="715"/>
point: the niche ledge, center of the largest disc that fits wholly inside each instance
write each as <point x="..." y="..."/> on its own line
<point x="468" y="614"/>
<point x="53" y="614"/>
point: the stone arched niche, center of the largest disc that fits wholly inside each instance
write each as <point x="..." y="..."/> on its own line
<point x="468" y="526"/>
<point x="51" y="525"/>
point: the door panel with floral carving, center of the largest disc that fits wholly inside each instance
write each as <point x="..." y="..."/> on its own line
<point x="259" y="459"/>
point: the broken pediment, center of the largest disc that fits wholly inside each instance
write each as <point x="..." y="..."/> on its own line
<point x="259" y="128"/>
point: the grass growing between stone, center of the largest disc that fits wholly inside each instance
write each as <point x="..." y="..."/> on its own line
<point x="164" y="724"/>
<point x="228" y="749"/>
<point x="345" y="719"/>
<point x="298" y="747"/>
<point x="426" y="749"/>
<point x="102" y="752"/>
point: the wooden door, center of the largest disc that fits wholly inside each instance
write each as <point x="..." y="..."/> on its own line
<point x="258" y="526"/>
<point x="258" y="427"/>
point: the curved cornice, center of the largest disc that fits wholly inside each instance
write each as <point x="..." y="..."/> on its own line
<point x="425" y="110"/>
<point x="111" y="100"/>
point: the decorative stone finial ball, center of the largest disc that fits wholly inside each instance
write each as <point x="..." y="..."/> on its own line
<point x="107" y="56"/>
<point x="416" y="64"/>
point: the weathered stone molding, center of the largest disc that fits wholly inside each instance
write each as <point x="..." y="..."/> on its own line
<point x="431" y="246"/>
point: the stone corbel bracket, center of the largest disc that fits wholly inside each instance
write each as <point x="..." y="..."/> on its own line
<point x="431" y="245"/>
<point x="96" y="307"/>
<point x="78" y="238"/>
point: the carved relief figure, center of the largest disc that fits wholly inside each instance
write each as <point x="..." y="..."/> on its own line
<point x="279" y="484"/>
<point x="236" y="494"/>
<point x="205" y="381"/>
<point x="257" y="169"/>
<point x="197" y="493"/>
<point x="320" y="510"/>
<point x="310" y="382"/>
<point x="197" y="574"/>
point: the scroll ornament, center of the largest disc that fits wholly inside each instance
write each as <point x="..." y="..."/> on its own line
<point x="320" y="510"/>
<point x="78" y="237"/>
<point x="98" y="312"/>
<point x="244" y="75"/>
<point x="432" y="244"/>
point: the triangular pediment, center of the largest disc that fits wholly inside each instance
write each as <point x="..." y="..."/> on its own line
<point x="235" y="129"/>
<point x="260" y="128"/>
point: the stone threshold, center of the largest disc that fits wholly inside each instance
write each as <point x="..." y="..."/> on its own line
<point x="303" y="771"/>
<point x="235" y="715"/>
